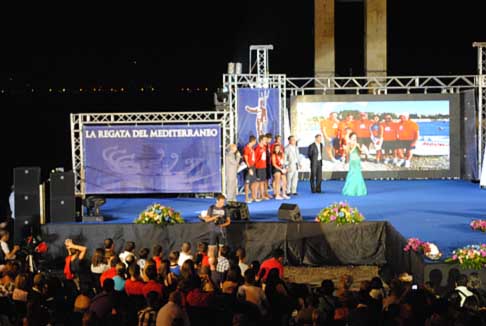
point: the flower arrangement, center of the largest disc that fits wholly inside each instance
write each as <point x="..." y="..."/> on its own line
<point x="429" y="249"/>
<point x="469" y="257"/>
<point x="415" y="244"/>
<point x="339" y="213"/>
<point x="478" y="225"/>
<point x="160" y="215"/>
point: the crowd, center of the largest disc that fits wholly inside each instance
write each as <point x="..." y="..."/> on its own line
<point x="189" y="287"/>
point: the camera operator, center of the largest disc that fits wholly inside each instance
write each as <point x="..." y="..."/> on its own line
<point x="5" y="252"/>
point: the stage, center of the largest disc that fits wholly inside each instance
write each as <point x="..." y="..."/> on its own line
<point x="437" y="211"/>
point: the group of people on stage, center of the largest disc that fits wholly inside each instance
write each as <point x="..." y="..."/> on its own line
<point x="265" y="162"/>
<point x="393" y="141"/>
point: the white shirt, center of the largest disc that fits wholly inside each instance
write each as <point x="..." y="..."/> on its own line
<point x="11" y="202"/>
<point x="243" y="268"/>
<point x="319" y="156"/>
<point x="123" y="256"/>
<point x="183" y="257"/>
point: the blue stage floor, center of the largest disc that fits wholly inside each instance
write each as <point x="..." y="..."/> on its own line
<point x="437" y="211"/>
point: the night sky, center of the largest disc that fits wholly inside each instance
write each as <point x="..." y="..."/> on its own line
<point x="187" y="46"/>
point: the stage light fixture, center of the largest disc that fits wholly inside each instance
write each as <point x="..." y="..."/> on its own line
<point x="93" y="204"/>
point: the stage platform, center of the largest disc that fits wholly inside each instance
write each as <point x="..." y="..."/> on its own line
<point x="437" y="211"/>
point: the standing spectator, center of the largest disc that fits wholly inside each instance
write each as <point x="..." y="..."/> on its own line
<point x="110" y="272"/>
<point x="232" y="162"/>
<point x="274" y="262"/>
<point x="157" y="255"/>
<point x="185" y="253"/>
<point x="241" y="255"/>
<point x="5" y="253"/>
<point x="99" y="265"/>
<point x="475" y="287"/>
<point x="73" y="261"/>
<point x="129" y="250"/>
<point x="142" y="257"/>
<point x="223" y="262"/>
<point x="202" y="258"/>
<point x="462" y="290"/>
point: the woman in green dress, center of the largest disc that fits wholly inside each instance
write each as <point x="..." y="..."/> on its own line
<point x="355" y="185"/>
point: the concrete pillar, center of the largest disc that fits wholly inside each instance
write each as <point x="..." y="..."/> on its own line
<point x="375" y="38"/>
<point x="324" y="49"/>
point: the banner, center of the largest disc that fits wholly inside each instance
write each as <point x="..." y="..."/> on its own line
<point x="258" y="113"/>
<point x="152" y="159"/>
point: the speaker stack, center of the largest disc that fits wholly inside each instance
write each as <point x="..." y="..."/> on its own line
<point x="62" y="201"/>
<point x="27" y="202"/>
<point x="238" y="211"/>
<point x="290" y="213"/>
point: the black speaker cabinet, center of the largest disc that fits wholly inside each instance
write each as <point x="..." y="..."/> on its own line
<point x="289" y="212"/>
<point x="25" y="226"/>
<point x="238" y="211"/>
<point x="62" y="202"/>
<point x="26" y="189"/>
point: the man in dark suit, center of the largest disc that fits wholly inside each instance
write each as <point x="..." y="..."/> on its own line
<point x="314" y="153"/>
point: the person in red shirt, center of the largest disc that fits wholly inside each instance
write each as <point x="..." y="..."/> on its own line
<point x="407" y="134"/>
<point x="277" y="141"/>
<point x="268" y="147"/>
<point x="261" y="166"/>
<point x="346" y="123"/>
<point x="389" y="139"/>
<point x="250" y="176"/>
<point x="361" y="128"/>
<point x="134" y="285"/>
<point x="275" y="262"/>
<point x="111" y="272"/>
<point x="279" y="173"/>
<point x="152" y="284"/>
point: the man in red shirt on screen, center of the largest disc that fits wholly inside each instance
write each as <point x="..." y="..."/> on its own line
<point x="361" y="128"/>
<point x="407" y="134"/>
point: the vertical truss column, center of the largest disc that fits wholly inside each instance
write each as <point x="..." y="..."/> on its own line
<point x="259" y="63"/>
<point x="481" y="46"/>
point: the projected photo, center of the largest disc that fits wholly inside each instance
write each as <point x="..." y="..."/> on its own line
<point x="393" y="135"/>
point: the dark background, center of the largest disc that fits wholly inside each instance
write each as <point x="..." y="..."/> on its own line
<point x="182" y="49"/>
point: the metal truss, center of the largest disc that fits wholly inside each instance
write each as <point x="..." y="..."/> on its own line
<point x="381" y="85"/>
<point x="79" y="120"/>
<point x="233" y="82"/>
<point x="261" y="63"/>
<point x="481" y="46"/>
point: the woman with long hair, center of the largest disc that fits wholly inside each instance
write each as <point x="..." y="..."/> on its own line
<point x="279" y="173"/>
<point x="354" y="185"/>
<point x="99" y="265"/>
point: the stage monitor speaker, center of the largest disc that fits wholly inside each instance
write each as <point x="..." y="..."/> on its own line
<point x="62" y="200"/>
<point x="26" y="190"/>
<point x="289" y="212"/>
<point x="238" y="211"/>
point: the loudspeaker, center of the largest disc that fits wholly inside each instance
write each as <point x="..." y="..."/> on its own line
<point x="238" y="211"/>
<point x="289" y="212"/>
<point x="25" y="226"/>
<point x="26" y="189"/>
<point x="62" y="201"/>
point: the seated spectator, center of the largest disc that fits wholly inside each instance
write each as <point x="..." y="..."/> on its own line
<point x="148" y="315"/>
<point x="7" y="282"/>
<point x="475" y="286"/>
<point x="461" y="288"/>
<point x="343" y="292"/>
<point x="251" y="293"/>
<point x="435" y="278"/>
<point x="111" y="272"/>
<point x="134" y="284"/>
<point x="172" y="313"/>
<point x="223" y="263"/>
<point x="129" y="251"/>
<point x="168" y="278"/>
<point x="99" y="265"/>
<point x="81" y="306"/>
<point x="306" y="310"/>
<point x="279" y="299"/>
<point x="394" y="295"/>
<point x="189" y="279"/>
<point x="21" y="287"/>
<point x="275" y="262"/>
<point x="119" y="278"/>
<point x="241" y="255"/>
<point x="185" y="253"/>
<point x="102" y="304"/>
<point x="327" y="302"/>
<point x="157" y="255"/>
<point x="109" y="246"/>
<point x="142" y="257"/>
<point x="152" y="284"/>
<point x="174" y="266"/>
<point x="202" y="258"/>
